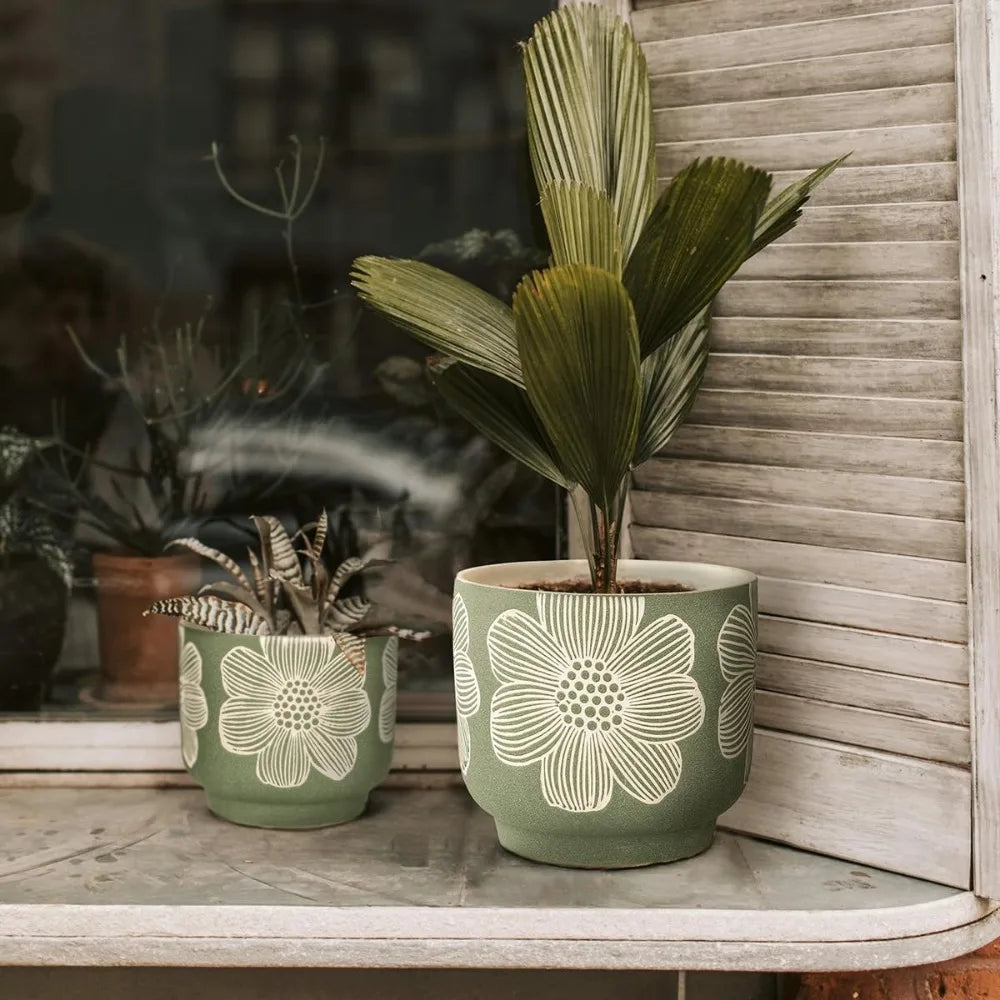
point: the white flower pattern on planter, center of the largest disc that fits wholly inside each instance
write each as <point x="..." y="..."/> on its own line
<point x="597" y="701"/>
<point x="193" y="706"/>
<point x="737" y="659"/>
<point x="387" y="706"/>
<point x="298" y="704"/>
<point x="466" y="685"/>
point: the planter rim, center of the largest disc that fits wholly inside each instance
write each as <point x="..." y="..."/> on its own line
<point x="701" y="577"/>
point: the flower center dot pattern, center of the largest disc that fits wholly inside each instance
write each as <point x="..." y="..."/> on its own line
<point x="296" y="706"/>
<point x="589" y="697"/>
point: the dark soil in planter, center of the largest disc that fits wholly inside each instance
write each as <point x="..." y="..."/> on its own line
<point x="624" y="587"/>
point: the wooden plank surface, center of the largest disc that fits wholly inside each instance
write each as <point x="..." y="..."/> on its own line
<point x="868" y="32"/>
<point x="858" y="804"/>
<point x="927" y="104"/>
<point x="719" y="16"/>
<point x="910" y="182"/>
<point x="942" y="460"/>
<point x="810" y="487"/>
<point x="862" y="727"/>
<point x="854" y="71"/>
<point x="920" y="222"/>
<point x="842" y="529"/>
<point x="836" y="376"/>
<point x="902" y="655"/>
<point x="936" y="579"/>
<point x="868" y="147"/>
<point x="874" y="689"/>
<point x="906" y="261"/>
<point x="886" y="338"/>
<point x="913" y="418"/>
<point x="979" y="166"/>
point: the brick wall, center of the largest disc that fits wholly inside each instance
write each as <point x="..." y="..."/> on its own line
<point x="974" y="977"/>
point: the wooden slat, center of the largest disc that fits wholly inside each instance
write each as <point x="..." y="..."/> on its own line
<point x="913" y="261"/>
<point x="861" y="727"/>
<point x="868" y="147"/>
<point x="810" y="487"/>
<point x="870" y="32"/>
<point x="874" y="689"/>
<point x="940" y="339"/>
<point x="836" y="452"/>
<point x="836" y="376"/>
<point x="932" y="578"/>
<point x="931" y="103"/>
<point x="907" y="656"/>
<point x="859" y="530"/>
<point x="912" y="223"/>
<point x="912" y="182"/>
<point x="798" y="77"/>
<point x="863" y="805"/>
<point x="867" y="609"/>
<point x="719" y="16"/>
<point x="913" y="418"/>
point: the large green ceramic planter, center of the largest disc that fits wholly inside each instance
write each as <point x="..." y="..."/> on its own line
<point x="282" y="731"/>
<point x="605" y="731"/>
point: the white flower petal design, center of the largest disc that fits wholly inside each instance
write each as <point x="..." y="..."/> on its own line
<point x="737" y="648"/>
<point x="297" y="704"/>
<point x="596" y="701"/>
<point x="193" y="706"/>
<point x="466" y="685"/>
<point x="387" y="706"/>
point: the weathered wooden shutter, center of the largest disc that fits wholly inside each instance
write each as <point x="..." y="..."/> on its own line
<point x="826" y="448"/>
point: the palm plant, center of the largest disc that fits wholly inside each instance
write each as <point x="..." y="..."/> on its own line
<point x="600" y="358"/>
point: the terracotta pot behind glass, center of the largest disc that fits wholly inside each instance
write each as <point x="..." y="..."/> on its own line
<point x="139" y="655"/>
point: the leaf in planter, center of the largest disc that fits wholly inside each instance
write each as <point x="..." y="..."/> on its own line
<point x="260" y="584"/>
<point x="347" y="569"/>
<point x="219" y="558"/>
<point x="579" y="349"/>
<point x="303" y="605"/>
<point x="348" y="611"/>
<point x="588" y="111"/>
<point x="782" y="212"/>
<point x="442" y="311"/>
<point x="671" y="376"/>
<point x="212" y="613"/>
<point x="237" y="593"/>
<point x="695" y="240"/>
<point x="282" y="562"/>
<point x="353" y="648"/>
<point x="500" y="412"/>
<point x="582" y="228"/>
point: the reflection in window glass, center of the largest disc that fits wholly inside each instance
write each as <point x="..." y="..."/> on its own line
<point x="179" y="345"/>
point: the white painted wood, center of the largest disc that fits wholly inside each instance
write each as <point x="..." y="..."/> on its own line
<point x="868" y="147"/>
<point x="868" y="32"/>
<point x="979" y="172"/>
<point x="862" y="727"/>
<point x="884" y="651"/>
<point x="937" y="339"/>
<point x="859" y="530"/>
<point x="420" y="882"/>
<point x="943" y="581"/>
<point x="679" y="20"/>
<point x="916" y="222"/>
<point x="867" y="609"/>
<point x="915" y="261"/>
<point x="872" y="807"/>
<point x="835" y="452"/>
<point x="874" y="689"/>
<point x="811" y="487"/>
<point x="927" y="104"/>
<point x="912" y="418"/>
<point x="841" y="299"/>
<point x="798" y="77"/>
<point x="836" y="376"/>
<point x="850" y="185"/>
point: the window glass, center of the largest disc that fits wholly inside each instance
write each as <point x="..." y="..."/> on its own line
<point x="183" y="187"/>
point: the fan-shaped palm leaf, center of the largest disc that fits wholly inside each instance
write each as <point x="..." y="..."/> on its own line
<point x="582" y="227"/>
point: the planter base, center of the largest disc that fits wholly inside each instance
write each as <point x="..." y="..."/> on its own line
<point x="286" y="816"/>
<point x="628" y="851"/>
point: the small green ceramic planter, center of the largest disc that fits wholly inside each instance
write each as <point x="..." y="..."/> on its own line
<point x="283" y="731"/>
<point x="605" y="730"/>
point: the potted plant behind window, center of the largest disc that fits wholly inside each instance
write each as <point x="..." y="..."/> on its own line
<point x="287" y="698"/>
<point x="35" y="577"/>
<point x="603" y="722"/>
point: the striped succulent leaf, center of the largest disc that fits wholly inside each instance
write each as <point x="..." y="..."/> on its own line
<point x="213" y="613"/>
